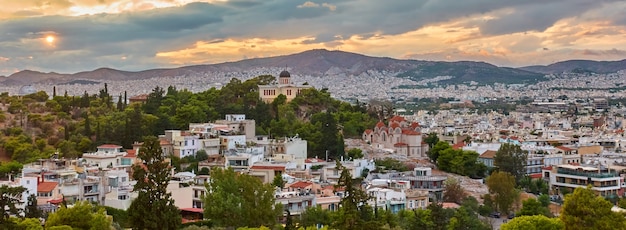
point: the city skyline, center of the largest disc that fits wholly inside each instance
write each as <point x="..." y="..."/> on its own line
<point x="75" y="35"/>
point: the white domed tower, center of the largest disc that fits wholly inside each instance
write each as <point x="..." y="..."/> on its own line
<point x="284" y="78"/>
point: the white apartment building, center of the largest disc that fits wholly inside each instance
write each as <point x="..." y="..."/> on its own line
<point x="239" y="124"/>
<point x="106" y="156"/>
<point x="184" y="143"/>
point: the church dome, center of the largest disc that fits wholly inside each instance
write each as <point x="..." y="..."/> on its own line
<point x="284" y="74"/>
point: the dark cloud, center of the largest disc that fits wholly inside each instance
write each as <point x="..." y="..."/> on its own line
<point x="98" y="40"/>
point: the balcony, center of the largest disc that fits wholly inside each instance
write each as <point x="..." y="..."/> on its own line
<point x="586" y="174"/>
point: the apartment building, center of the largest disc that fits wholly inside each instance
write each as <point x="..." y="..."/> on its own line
<point x="603" y="181"/>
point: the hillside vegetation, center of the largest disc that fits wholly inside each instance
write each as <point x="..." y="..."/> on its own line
<point x="36" y="126"/>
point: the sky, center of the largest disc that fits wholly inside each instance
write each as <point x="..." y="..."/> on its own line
<point x="68" y="36"/>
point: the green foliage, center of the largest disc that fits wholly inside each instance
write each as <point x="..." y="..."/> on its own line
<point x="502" y="191"/>
<point x="28" y="224"/>
<point x="436" y="150"/>
<point x="461" y="162"/>
<point x="152" y="179"/>
<point x="239" y="200"/>
<point x="583" y="209"/>
<point x="119" y="216"/>
<point x="313" y="216"/>
<point x="512" y="159"/>
<point x="9" y="204"/>
<point x="391" y="164"/>
<point x="82" y="215"/>
<point x="355" y="153"/>
<point x="532" y="207"/>
<point x="278" y="181"/>
<point x="31" y="210"/>
<point x="431" y="140"/>
<point x="75" y="124"/>
<point x="10" y="168"/>
<point x="537" y="222"/>
<point x="351" y="204"/>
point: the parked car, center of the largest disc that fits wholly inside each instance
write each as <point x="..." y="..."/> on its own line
<point x="511" y="216"/>
<point x="495" y="215"/>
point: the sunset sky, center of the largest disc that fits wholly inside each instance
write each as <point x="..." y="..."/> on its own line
<point x="67" y="36"/>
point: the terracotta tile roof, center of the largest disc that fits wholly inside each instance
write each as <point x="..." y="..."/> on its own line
<point x="313" y="160"/>
<point x="300" y="184"/>
<point x="415" y="125"/>
<point x="410" y="132"/>
<point x="198" y="210"/>
<point x="109" y="146"/>
<point x="272" y="167"/>
<point x="449" y="205"/>
<point x="164" y="142"/>
<point x="46" y="186"/>
<point x="380" y="124"/>
<point x="564" y="148"/>
<point x="394" y="125"/>
<point x="536" y="176"/>
<point x="368" y="131"/>
<point x="397" y="119"/>
<point x="489" y="154"/>
<point x="140" y="97"/>
<point x="547" y="168"/>
<point x="458" y="145"/>
<point x="130" y="153"/>
<point x="399" y="144"/>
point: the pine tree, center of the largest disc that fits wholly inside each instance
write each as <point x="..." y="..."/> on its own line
<point x="54" y="91"/>
<point x="87" y="125"/>
<point x="154" y="207"/>
<point x="9" y="204"/>
<point x="31" y="210"/>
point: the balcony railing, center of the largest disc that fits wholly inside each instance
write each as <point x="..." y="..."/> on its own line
<point x="586" y="174"/>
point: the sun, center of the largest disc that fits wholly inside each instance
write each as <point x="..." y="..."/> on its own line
<point x="50" y="39"/>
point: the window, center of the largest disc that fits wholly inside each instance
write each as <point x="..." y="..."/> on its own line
<point x="122" y="197"/>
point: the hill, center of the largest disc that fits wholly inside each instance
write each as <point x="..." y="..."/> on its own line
<point x="321" y="62"/>
<point x="579" y="66"/>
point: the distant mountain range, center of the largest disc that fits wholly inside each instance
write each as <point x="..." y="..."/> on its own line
<point x="579" y="66"/>
<point x="322" y="62"/>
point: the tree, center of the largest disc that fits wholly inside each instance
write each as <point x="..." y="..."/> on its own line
<point x="583" y="209"/>
<point x="278" y="181"/>
<point x="512" y="159"/>
<point x="29" y="224"/>
<point x="240" y="200"/>
<point x="532" y="207"/>
<point x="502" y="190"/>
<point x="453" y="191"/>
<point x="152" y="177"/>
<point x="9" y="203"/>
<point x="81" y="216"/>
<point x="431" y="140"/>
<point x="437" y="149"/>
<point x="313" y="216"/>
<point x="355" y="153"/>
<point x="537" y="222"/>
<point x="352" y="204"/>
<point x="31" y="210"/>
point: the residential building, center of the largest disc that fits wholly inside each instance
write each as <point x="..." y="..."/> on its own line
<point x="295" y="201"/>
<point x="487" y="158"/>
<point x="290" y="149"/>
<point x="239" y="124"/>
<point x="242" y="160"/>
<point x="566" y="176"/>
<point x="422" y="179"/>
<point x="106" y="156"/>
<point x="285" y="86"/>
<point x="387" y="199"/>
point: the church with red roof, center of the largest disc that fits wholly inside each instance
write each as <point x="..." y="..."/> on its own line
<point x="400" y="135"/>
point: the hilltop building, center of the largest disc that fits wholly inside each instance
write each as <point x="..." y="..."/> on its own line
<point x="268" y="93"/>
